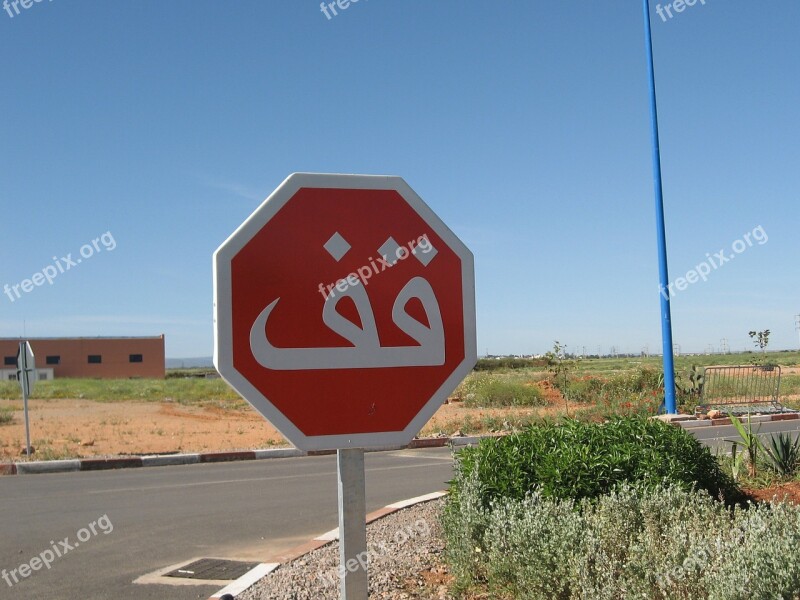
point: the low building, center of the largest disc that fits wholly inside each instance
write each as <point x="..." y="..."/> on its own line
<point x="92" y="358"/>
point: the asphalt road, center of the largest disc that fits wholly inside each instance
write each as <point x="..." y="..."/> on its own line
<point x="157" y="517"/>
<point x="717" y="437"/>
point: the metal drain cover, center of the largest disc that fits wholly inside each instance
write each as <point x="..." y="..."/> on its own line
<point x="214" y="569"/>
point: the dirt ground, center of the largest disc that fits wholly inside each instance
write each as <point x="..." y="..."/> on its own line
<point x="789" y="492"/>
<point x="84" y="428"/>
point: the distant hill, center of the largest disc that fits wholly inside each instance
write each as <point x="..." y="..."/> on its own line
<point x="190" y="363"/>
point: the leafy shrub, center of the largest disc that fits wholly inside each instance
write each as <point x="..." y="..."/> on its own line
<point x="659" y="543"/>
<point x="584" y="460"/>
<point x="492" y="390"/>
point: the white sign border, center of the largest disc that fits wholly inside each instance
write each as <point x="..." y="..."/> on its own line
<point x="223" y="342"/>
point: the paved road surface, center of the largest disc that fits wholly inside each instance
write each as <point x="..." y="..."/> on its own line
<point x="716" y="437"/>
<point x="162" y="516"/>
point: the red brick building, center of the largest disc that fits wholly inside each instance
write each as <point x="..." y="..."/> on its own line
<point x="93" y="358"/>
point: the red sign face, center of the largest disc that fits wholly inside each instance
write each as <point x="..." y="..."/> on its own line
<point x="344" y="311"/>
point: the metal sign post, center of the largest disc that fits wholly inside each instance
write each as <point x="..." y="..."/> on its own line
<point x="26" y="375"/>
<point x="352" y="524"/>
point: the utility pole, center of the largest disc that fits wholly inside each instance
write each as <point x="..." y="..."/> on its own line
<point x="797" y="324"/>
<point x="661" y="230"/>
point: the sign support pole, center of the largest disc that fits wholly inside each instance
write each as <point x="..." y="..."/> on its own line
<point x="23" y="370"/>
<point x="352" y="524"/>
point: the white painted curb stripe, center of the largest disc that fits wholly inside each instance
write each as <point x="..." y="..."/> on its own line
<point x="51" y="466"/>
<point x="169" y="460"/>
<point x="246" y="580"/>
<point x="417" y="500"/>
<point x="333" y="534"/>
<point x="328" y="536"/>
<point x="279" y="453"/>
<point x="466" y="440"/>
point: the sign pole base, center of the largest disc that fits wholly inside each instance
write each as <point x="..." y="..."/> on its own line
<point x="353" y="554"/>
<point x="27" y="425"/>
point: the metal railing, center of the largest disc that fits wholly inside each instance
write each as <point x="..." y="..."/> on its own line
<point x="741" y="389"/>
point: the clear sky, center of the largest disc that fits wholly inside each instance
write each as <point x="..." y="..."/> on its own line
<point x="523" y="124"/>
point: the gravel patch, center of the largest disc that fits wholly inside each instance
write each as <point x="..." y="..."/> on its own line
<point x="405" y="563"/>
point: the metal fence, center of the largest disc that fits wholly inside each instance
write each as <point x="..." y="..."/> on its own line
<point x="741" y="389"/>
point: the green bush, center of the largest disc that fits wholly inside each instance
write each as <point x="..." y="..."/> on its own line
<point x="660" y="543"/>
<point x="498" y="390"/>
<point x="574" y="460"/>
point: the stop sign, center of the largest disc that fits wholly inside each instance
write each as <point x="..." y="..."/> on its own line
<point x="344" y="311"/>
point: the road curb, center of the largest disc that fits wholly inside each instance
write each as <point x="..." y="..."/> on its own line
<point x="694" y="423"/>
<point x="53" y="466"/>
<point x="262" y="570"/>
<point x="171" y="460"/>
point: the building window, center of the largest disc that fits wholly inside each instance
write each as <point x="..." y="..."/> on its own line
<point x="53" y="360"/>
<point x="11" y="361"/>
<point x="135" y="358"/>
<point x="95" y="359"/>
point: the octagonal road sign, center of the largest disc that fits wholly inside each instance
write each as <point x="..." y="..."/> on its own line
<point x="344" y="311"/>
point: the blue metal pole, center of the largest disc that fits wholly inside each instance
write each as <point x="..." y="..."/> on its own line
<point x="666" y="313"/>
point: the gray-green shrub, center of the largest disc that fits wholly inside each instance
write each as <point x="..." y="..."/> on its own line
<point x="661" y="543"/>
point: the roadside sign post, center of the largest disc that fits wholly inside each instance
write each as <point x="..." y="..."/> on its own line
<point x="352" y="524"/>
<point x="26" y="375"/>
<point x="344" y="313"/>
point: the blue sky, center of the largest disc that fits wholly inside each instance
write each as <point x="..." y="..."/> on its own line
<point x="523" y="124"/>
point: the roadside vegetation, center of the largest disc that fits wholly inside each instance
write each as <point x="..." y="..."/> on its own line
<point x="632" y="508"/>
<point x="186" y="390"/>
<point x="6" y="416"/>
<point x="500" y="395"/>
